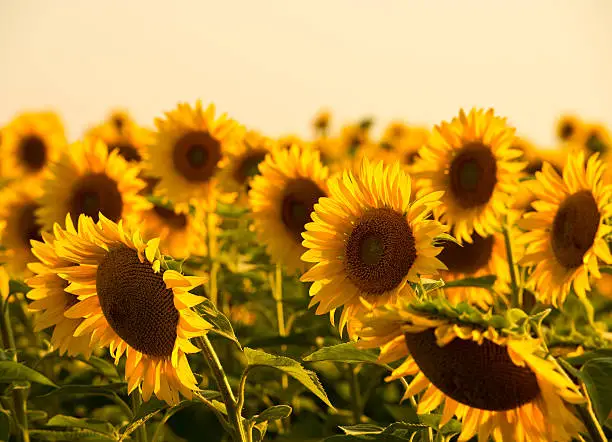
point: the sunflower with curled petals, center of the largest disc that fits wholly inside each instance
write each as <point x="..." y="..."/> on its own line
<point x="89" y="180"/>
<point x="30" y="143"/>
<point x="187" y="152"/>
<point x="50" y="298"/>
<point x="368" y="239"/>
<point x="127" y="301"/>
<point x="565" y="237"/>
<point x="472" y="160"/>
<point x="18" y="204"/>
<point x="282" y="199"/>
<point x="498" y="385"/>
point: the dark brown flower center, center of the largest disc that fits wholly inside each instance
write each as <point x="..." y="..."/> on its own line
<point x="473" y="175"/>
<point x="136" y="303"/>
<point x="469" y="258"/>
<point x="28" y="224"/>
<point x="33" y="152"/>
<point x="574" y="228"/>
<point x="479" y="376"/>
<point x="298" y="202"/>
<point x="411" y="157"/>
<point x="196" y="155"/>
<point x="96" y="193"/>
<point x="126" y="150"/>
<point x="380" y="251"/>
<point x="177" y="221"/>
<point x="566" y="131"/>
<point x="119" y="122"/>
<point x="249" y="166"/>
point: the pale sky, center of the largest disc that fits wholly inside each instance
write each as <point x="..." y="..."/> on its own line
<point x="273" y="64"/>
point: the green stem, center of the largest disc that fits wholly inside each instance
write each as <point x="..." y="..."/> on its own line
<point x="19" y="396"/>
<point x="516" y="295"/>
<point x="224" y="387"/>
<point x="212" y="408"/>
<point x="141" y="431"/>
<point x="213" y="291"/>
<point x="277" y="293"/>
<point x="355" y="395"/>
<point x="587" y="414"/>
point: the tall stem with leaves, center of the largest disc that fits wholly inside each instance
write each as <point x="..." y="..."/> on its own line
<point x="277" y="293"/>
<point x="211" y="221"/>
<point x="516" y="295"/>
<point x="19" y="395"/>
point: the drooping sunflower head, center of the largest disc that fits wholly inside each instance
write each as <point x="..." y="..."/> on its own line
<point x="569" y="129"/>
<point x="18" y="204"/>
<point x="565" y="237"/>
<point x="241" y="163"/>
<point x="187" y="152"/>
<point x="30" y="143"/>
<point x="499" y="385"/>
<point x="129" y="301"/>
<point x="473" y="161"/>
<point x="181" y="234"/>
<point x="89" y="180"/>
<point x="282" y="198"/>
<point x="50" y="298"/>
<point x="368" y="239"/>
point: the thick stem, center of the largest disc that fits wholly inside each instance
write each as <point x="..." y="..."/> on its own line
<point x="224" y="387"/>
<point x="141" y="432"/>
<point x="516" y="295"/>
<point x="355" y="394"/>
<point x="213" y="291"/>
<point x="19" y="395"/>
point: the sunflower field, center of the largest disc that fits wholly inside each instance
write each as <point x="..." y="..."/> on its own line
<point x="197" y="280"/>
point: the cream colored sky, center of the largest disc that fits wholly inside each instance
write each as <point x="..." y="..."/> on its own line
<point x="272" y="64"/>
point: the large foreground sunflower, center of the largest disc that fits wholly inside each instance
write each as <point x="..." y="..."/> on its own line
<point x="18" y="204"/>
<point x="30" y="143"/>
<point x="368" y="239"/>
<point x="282" y="198"/>
<point x="471" y="160"/>
<point x="496" y="384"/>
<point x="187" y="153"/>
<point x="128" y="302"/>
<point x="566" y="235"/>
<point x="50" y="298"/>
<point x="181" y="234"/>
<point x="89" y="180"/>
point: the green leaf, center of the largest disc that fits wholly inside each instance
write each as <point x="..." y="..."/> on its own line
<point x="345" y="352"/>
<point x="87" y="390"/>
<point x="16" y="286"/>
<point x="578" y="361"/>
<point x="5" y="425"/>
<point x="293" y="368"/>
<point x="362" y="429"/>
<point x="599" y="371"/>
<point x="433" y="420"/>
<point x="11" y="371"/>
<point x="222" y="325"/>
<point x="369" y="437"/>
<point x="102" y="366"/>
<point x="486" y="282"/>
<point x="441" y="238"/>
<point x="606" y="269"/>
<point x="299" y="339"/>
<point x="273" y="413"/>
<point x="145" y="412"/>
<point x="431" y="284"/>
<point x="87" y="424"/>
<point x="76" y="435"/>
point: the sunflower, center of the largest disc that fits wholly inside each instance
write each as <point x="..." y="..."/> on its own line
<point x="241" y="163"/>
<point x="118" y="119"/>
<point x="320" y="122"/>
<point x="127" y="301"/>
<point x="471" y="159"/>
<point x="570" y="128"/>
<point x="282" y="198"/>
<point x="130" y="140"/>
<point x="479" y="256"/>
<point x="30" y="143"/>
<point x="49" y="295"/>
<point x="89" y="180"/>
<point x="496" y="384"/>
<point x="368" y="239"/>
<point x="566" y="235"/>
<point x="181" y="234"/>
<point x="18" y="204"/>
<point x="597" y="139"/>
<point x="187" y="152"/>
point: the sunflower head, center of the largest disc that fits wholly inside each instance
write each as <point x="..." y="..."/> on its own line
<point x="282" y="198"/>
<point x="569" y="128"/>
<point x="129" y="300"/>
<point x="321" y="120"/>
<point x="89" y="180"/>
<point x="597" y="139"/>
<point x="472" y="160"/>
<point x="129" y="139"/>
<point x="18" y="205"/>
<point x="498" y="383"/>
<point x="368" y="239"/>
<point x="30" y="143"/>
<point x="565" y="237"/>
<point x="189" y="146"/>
